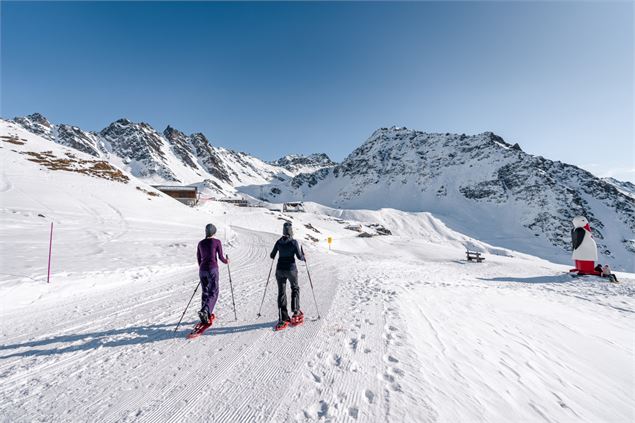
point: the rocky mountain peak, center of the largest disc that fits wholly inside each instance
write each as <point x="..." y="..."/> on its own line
<point x="39" y="118"/>
<point x="122" y="122"/>
<point x="172" y="134"/>
<point x="456" y="174"/>
<point x="141" y="144"/>
<point x="37" y="124"/>
<point x="72" y="136"/>
<point x="298" y="163"/>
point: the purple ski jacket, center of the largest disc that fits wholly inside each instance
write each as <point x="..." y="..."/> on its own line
<point x="207" y="254"/>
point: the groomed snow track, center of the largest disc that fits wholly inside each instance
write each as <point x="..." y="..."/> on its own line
<point x="115" y="357"/>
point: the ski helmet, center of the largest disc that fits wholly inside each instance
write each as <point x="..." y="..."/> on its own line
<point x="287" y="229"/>
<point x="210" y="230"/>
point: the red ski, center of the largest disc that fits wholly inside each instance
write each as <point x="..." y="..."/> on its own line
<point x="200" y="328"/>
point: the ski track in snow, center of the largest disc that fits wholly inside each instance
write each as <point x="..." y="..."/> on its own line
<point x="369" y="358"/>
<point x="396" y="342"/>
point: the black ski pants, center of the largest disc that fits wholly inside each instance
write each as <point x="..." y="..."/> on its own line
<point x="281" y="278"/>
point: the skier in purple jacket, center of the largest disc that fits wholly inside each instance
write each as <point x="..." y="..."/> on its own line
<point x="209" y="251"/>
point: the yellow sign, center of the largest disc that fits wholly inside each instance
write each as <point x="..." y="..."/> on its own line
<point x="329" y="240"/>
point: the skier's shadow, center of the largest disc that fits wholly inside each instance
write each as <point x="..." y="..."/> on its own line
<point x="531" y="279"/>
<point x="135" y="335"/>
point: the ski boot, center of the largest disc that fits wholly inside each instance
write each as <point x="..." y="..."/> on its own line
<point x="297" y="319"/>
<point x="201" y="327"/>
<point x="204" y="316"/>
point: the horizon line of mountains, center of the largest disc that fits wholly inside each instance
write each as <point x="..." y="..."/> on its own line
<point x="470" y="180"/>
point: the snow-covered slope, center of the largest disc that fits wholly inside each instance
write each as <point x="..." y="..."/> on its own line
<point x="297" y="163"/>
<point x="408" y="330"/>
<point x="170" y="157"/>
<point x="479" y="185"/>
<point x="98" y="211"/>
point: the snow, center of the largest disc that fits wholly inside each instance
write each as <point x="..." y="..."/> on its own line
<point x="477" y="185"/>
<point x="410" y="331"/>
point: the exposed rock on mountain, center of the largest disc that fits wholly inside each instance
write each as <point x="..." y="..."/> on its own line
<point x="302" y="164"/>
<point x="480" y="185"/>
<point x="87" y="142"/>
<point x="140" y="147"/>
<point x="625" y="187"/>
<point x="37" y="124"/>
<point x="170" y="157"/>
<point x="483" y="184"/>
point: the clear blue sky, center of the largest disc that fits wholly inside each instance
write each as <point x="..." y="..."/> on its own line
<point x="277" y="78"/>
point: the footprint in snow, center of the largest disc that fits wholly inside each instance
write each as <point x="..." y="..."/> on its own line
<point x="316" y="378"/>
<point x="370" y="396"/>
<point x="391" y="359"/>
<point x="397" y="371"/>
<point x="336" y="360"/>
<point x="323" y="410"/>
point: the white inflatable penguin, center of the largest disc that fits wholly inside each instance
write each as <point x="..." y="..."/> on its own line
<point x="585" y="250"/>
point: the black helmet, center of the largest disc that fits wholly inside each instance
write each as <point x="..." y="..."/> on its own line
<point x="287" y="229"/>
<point x="210" y="230"/>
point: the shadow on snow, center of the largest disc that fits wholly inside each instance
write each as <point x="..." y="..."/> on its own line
<point x="135" y="335"/>
<point x="531" y="279"/>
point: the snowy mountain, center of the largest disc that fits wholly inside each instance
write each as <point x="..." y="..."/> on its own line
<point x="480" y="185"/>
<point x="70" y="136"/>
<point x="171" y="157"/>
<point x="297" y="163"/>
<point x="625" y="187"/>
<point x="37" y="124"/>
<point x="399" y="328"/>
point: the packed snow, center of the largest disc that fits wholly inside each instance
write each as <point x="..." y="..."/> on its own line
<point x="409" y="330"/>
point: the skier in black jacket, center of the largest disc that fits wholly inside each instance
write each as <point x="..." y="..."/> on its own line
<point x="288" y="249"/>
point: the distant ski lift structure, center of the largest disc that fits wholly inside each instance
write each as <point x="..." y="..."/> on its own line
<point x="293" y="207"/>
<point x="185" y="194"/>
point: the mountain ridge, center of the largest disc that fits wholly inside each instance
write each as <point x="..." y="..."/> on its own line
<point x="480" y="184"/>
<point x="170" y="156"/>
<point x="464" y="176"/>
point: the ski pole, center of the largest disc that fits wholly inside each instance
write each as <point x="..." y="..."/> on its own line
<point x="265" y="294"/>
<point x="232" y="288"/>
<point x="311" y="282"/>
<point x="48" y="277"/>
<point x="188" y="306"/>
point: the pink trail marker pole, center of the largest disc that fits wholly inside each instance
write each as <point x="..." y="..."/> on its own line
<point x="48" y="277"/>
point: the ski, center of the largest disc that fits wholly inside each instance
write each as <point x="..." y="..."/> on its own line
<point x="200" y="328"/>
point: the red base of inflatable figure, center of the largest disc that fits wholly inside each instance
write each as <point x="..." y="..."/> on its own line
<point x="585" y="267"/>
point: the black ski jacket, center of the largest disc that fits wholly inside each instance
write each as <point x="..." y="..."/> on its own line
<point x="288" y="249"/>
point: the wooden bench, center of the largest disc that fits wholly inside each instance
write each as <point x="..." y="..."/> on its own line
<point x="474" y="256"/>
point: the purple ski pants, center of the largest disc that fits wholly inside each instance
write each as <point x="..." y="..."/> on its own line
<point x="209" y="284"/>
